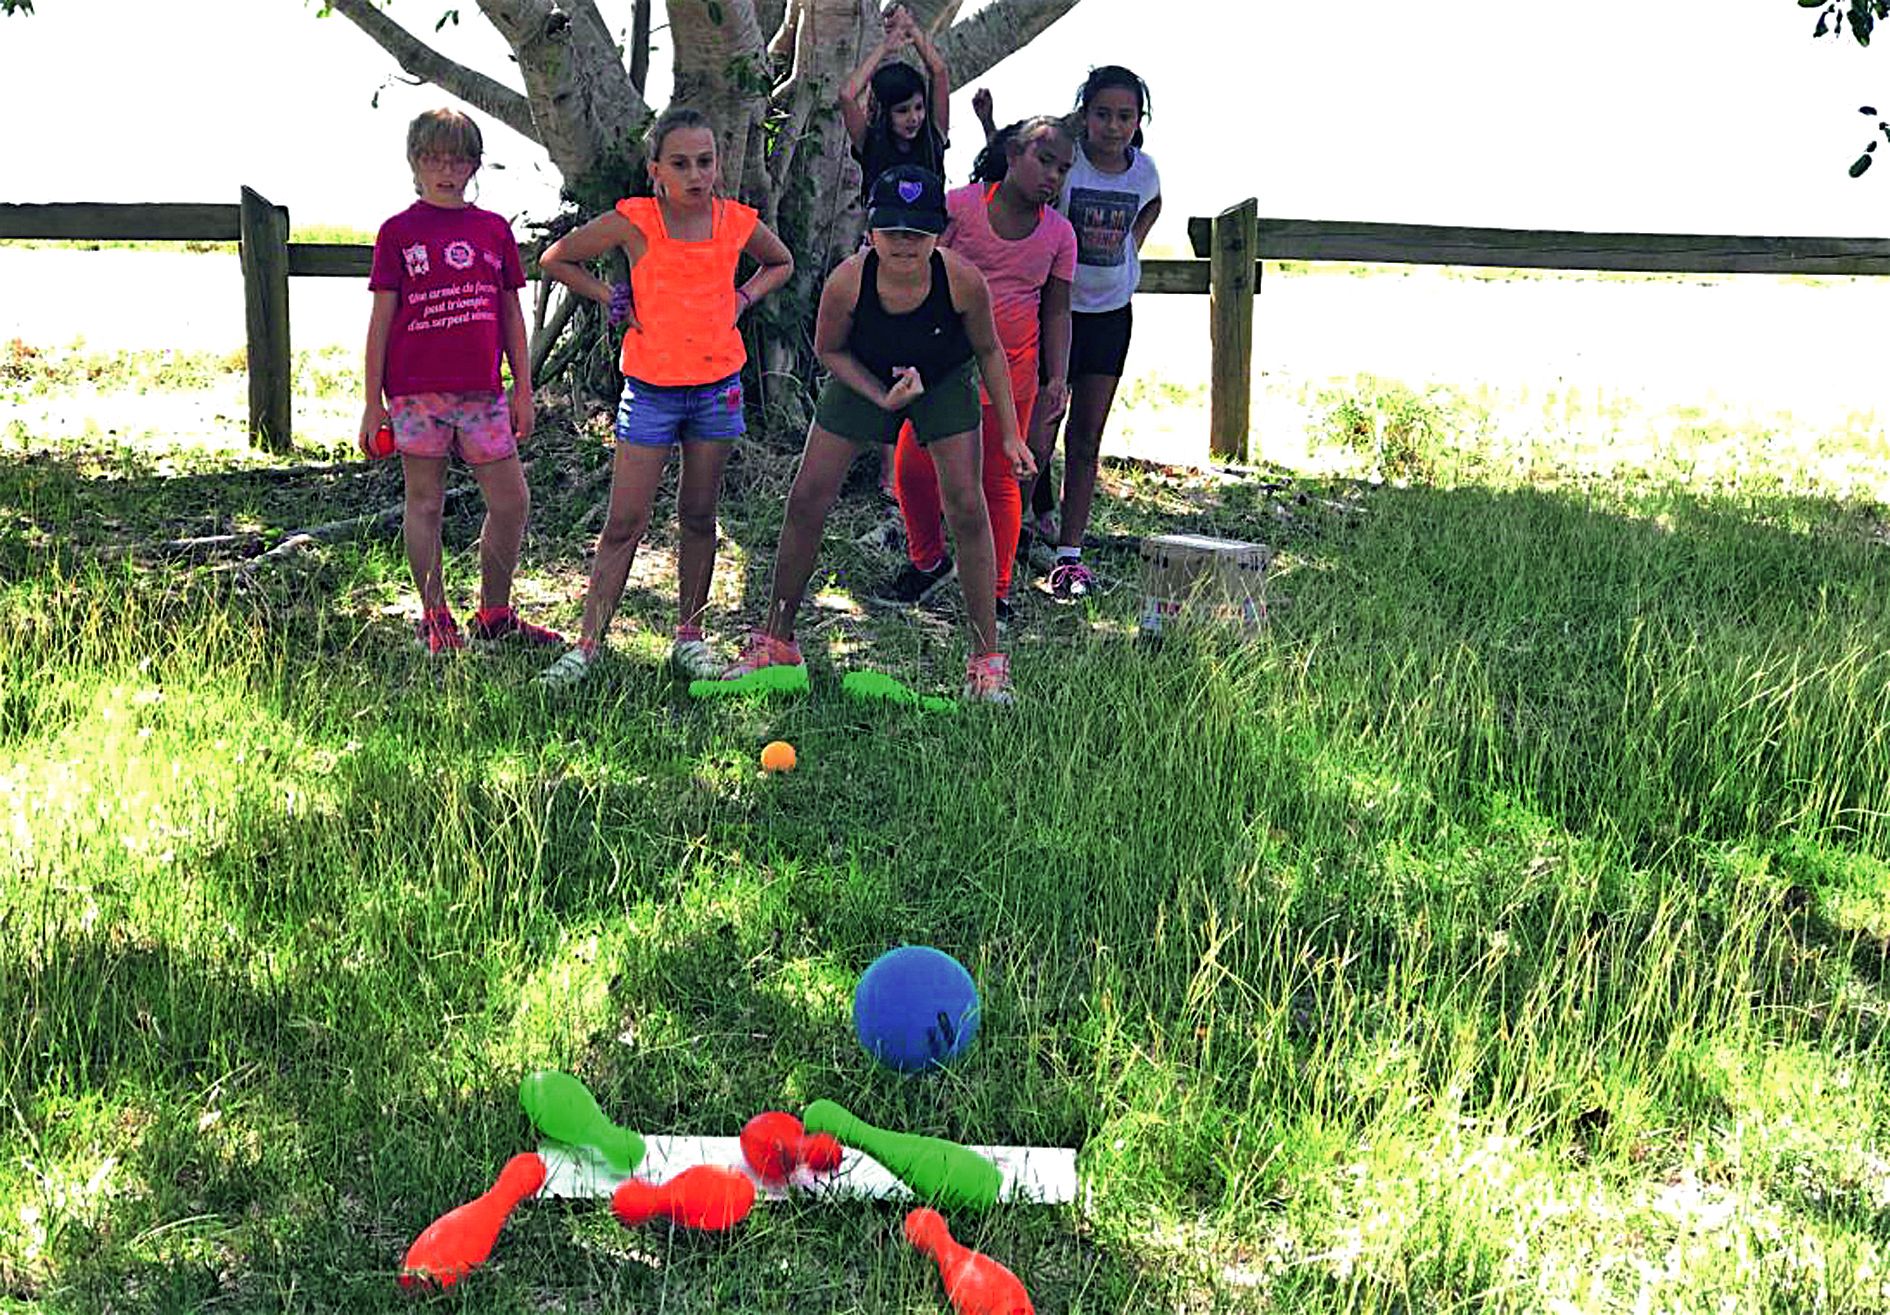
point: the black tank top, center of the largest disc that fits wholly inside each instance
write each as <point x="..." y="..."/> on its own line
<point x="931" y="337"/>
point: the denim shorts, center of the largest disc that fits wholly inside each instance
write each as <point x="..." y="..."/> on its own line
<point x="655" y="415"/>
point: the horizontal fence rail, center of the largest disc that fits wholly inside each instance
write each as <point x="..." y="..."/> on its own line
<point x="1232" y="248"/>
<point x="1524" y="248"/>
<point x="133" y="222"/>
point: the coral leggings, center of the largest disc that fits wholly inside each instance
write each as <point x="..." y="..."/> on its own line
<point x="916" y="479"/>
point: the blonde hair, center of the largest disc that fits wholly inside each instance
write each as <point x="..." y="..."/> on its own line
<point x="444" y="132"/>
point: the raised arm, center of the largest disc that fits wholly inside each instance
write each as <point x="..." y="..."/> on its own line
<point x="936" y="73"/>
<point x="981" y="105"/>
<point x="853" y="92"/>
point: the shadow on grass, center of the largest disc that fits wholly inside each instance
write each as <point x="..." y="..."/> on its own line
<point x="1148" y="859"/>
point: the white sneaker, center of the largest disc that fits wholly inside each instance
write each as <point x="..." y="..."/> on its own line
<point x="693" y="659"/>
<point x="567" y="671"/>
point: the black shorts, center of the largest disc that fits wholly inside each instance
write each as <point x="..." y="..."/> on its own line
<point x="1099" y="343"/>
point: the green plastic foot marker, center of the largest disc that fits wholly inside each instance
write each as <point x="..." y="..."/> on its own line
<point x="865" y="685"/>
<point x="782" y="679"/>
<point x="563" y="1109"/>
<point x="938" y="1171"/>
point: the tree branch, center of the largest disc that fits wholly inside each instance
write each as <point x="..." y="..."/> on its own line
<point x="640" y="45"/>
<point x="973" y="47"/>
<point x="422" y="61"/>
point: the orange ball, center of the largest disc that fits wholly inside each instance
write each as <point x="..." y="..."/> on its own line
<point x="777" y="756"/>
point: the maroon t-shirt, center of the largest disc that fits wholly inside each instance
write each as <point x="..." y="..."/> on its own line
<point x="448" y="269"/>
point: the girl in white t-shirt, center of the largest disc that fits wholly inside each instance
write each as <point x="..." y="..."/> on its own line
<point x="1112" y="197"/>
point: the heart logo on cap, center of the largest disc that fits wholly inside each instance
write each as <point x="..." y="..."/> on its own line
<point x="909" y="191"/>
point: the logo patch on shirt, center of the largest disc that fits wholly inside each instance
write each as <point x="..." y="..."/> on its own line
<point x="416" y="258"/>
<point x="459" y="254"/>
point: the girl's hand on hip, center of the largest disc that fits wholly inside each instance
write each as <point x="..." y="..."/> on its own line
<point x="622" y="314"/>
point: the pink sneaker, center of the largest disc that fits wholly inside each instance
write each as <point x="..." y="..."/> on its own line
<point x="504" y="623"/>
<point x="438" y="632"/>
<point x="988" y="679"/>
<point x="763" y="650"/>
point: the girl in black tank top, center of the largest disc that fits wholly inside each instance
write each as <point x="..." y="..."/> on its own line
<point x="887" y="371"/>
<point x="930" y="339"/>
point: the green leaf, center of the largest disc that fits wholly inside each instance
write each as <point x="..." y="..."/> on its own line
<point x="450" y="16"/>
<point x="715" y="13"/>
<point x="1809" y="4"/>
<point x="1863" y="163"/>
<point x="1862" y="20"/>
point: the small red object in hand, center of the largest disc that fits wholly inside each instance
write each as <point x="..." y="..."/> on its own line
<point x="382" y="445"/>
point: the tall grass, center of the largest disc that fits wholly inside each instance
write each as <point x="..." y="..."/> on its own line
<point x="1503" y="930"/>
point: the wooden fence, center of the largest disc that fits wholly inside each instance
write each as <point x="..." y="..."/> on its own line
<point x="1231" y="247"/>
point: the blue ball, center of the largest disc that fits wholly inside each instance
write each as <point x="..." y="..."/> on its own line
<point x="915" y="1007"/>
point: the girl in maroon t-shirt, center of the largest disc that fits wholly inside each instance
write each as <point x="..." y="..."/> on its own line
<point x="445" y="281"/>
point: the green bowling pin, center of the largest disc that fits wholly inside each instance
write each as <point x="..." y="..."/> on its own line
<point x="936" y="1170"/>
<point x="781" y="679"/>
<point x="563" y="1109"/>
<point x="864" y="685"/>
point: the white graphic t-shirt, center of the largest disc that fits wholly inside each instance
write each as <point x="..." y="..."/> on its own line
<point x="1102" y="207"/>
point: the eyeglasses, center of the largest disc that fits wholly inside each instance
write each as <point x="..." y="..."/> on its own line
<point x="434" y="160"/>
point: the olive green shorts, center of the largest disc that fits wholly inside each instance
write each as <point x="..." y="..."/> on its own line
<point x="947" y="407"/>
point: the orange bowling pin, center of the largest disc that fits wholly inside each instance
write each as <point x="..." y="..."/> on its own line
<point x="706" y="1197"/>
<point x="461" y="1239"/>
<point x="974" y="1283"/>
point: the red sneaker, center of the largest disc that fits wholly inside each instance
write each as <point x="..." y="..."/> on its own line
<point x="763" y="650"/>
<point x="491" y="627"/>
<point x="438" y="632"/>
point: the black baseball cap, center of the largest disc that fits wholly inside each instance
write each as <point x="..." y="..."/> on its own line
<point x="907" y="196"/>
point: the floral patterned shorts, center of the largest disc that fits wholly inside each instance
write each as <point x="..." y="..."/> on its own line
<point x="476" y="425"/>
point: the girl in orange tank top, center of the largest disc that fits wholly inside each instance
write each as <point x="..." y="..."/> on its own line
<point x="682" y="359"/>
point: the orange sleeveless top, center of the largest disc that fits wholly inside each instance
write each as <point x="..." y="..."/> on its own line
<point x="684" y="293"/>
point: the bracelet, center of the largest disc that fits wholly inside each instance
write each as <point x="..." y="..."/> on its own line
<point x="748" y="301"/>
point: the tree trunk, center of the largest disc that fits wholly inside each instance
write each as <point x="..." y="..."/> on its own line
<point x="589" y="117"/>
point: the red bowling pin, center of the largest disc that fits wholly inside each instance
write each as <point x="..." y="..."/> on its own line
<point x="461" y="1239"/>
<point x="974" y="1283"/>
<point x="706" y="1197"/>
<point x="775" y="1144"/>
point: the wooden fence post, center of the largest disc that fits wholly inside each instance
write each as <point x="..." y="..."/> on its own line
<point x="264" y="234"/>
<point x="1236" y="246"/>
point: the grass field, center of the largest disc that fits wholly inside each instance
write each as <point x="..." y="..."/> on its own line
<point x="1505" y="930"/>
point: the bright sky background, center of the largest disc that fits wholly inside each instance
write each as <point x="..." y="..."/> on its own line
<point x="1604" y="114"/>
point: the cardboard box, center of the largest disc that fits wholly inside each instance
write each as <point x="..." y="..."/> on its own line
<point x="1189" y="578"/>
